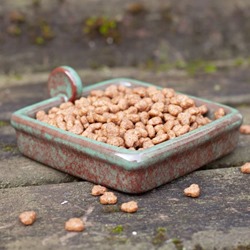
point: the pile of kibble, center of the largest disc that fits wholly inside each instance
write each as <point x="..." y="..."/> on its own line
<point x="133" y="118"/>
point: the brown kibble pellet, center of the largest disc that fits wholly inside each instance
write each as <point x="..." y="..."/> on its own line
<point x="66" y="105"/>
<point x="184" y="118"/>
<point x="28" y="217"/>
<point x="108" y="198"/>
<point x="168" y="117"/>
<point x="219" y="113"/>
<point x="97" y="93"/>
<point x="74" y="225"/>
<point x="174" y="109"/>
<point x="154" y="113"/>
<point x="77" y="128"/>
<point x="147" y="144"/>
<point x="98" y="190"/>
<point x="144" y="117"/>
<point x="134" y="118"/>
<point x="129" y="207"/>
<point x="160" y="138"/>
<point x="130" y="137"/>
<point x="99" y="118"/>
<point x="203" y="109"/>
<point x="176" y="128"/>
<point x="155" y="121"/>
<point x="132" y="110"/>
<point x="158" y="106"/>
<point x="194" y="126"/>
<point x="192" y="191"/>
<point x="158" y="97"/>
<point x="141" y="105"/>
<point x="142" y="132"/>
<point x="141" y="91"/>
<point x="171" y="134"/>
<point x="168" y="92"/>
<point x="159" y="127"/>
<point x="183" y="130"/>
<point x="40" y="115"/>
<point x="102" y="139"/>
<point x="151" y="131"/>
<point x="115" y="141"/>
<point x="245" y="129"/>
<point x="168" y="125"/>
<point x="245" y="168"/>
<point x="192" y="111"/>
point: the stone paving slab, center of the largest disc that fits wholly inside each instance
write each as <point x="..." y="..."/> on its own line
<point x="218" y="218"/>
<point x="17" y="170"/>
<point x="21" y="171"/>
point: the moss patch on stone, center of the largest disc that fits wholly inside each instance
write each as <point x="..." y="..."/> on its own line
<point x="117" y="229"/>
<point x="160" y="236"/>
<point x="4" y="123"/>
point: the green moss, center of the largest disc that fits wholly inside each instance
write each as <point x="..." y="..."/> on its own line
<point x="41" y="32"/>
<point x="191" y="68"/>
<point x="180" y="64"/>
<point x="8" y="148"/>
<point x="39" y="40"/>
<point x="210" y="68"/>
<point x="239" y="61"/>
<point x="14" y="30"/>
<point x="102" y="27"/>
<point x="3" y="123"/>
<point x="17" y="76"/>
<point x="200" y="66"/>
<point x="241" y="247"/>
<point x="46" y="30"/>
<point x="160" y="236"/>
<point x="117" y="230"/>
<point x="178" y="243"/>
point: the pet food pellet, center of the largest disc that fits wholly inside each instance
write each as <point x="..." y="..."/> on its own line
<point x="98" y="190"/>
<point x="74" y="225"/>
<point x="108" y="198"/>
<point x="245" y="168"/>
<point x="192" y="191"/>
<point x="28" y="217"/>
<point x="245" y="129"/>
<point x="129" y="207"/>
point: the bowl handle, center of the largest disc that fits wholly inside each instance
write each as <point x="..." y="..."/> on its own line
<point x="64" y="80"/>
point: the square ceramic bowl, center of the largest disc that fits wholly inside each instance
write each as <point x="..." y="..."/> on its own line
<point x="118" y="168"/>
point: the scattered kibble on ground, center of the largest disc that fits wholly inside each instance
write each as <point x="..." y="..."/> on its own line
<point x="108" y="198"/>
<point x="245" y="129"/>
<point x="129" y="207"/>
<point x="28" y="217"/>
<point x="192" y="191"/>
<point x="74" y="225"/>
<point x="98" y="190"/>
<point x="245" y="168"/>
